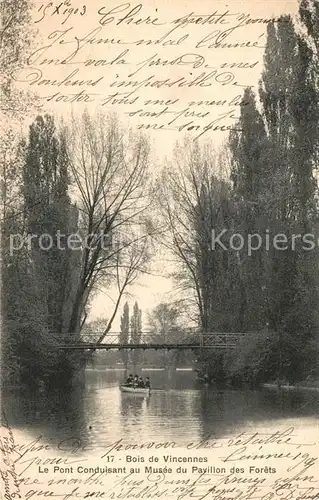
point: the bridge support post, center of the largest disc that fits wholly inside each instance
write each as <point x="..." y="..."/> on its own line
<point x="201" y="339"/>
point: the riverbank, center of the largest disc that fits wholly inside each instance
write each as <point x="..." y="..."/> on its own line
<point x="302" y="386"/>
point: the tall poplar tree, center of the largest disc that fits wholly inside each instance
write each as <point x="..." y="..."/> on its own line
<point x="49" y="214"/>
<point x="49" y="217"/>
<point x="250" y="176"/>
<point x="125" y="332"/>
<point x="136" y="331"/>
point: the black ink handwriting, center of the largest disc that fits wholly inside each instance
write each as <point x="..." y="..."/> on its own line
<point x="63" y="8"/>
<point x="130" y="16"/>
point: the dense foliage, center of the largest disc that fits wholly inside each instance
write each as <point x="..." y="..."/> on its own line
<point x="264" y="185"/>
<point x="274" y="170"/>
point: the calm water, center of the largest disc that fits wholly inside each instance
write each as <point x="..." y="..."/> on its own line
<point x="178" y="409"/>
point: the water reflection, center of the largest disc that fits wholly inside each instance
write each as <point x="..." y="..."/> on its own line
<point x="100" y="414"/>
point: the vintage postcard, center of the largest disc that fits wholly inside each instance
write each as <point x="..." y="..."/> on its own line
<point x="159" y="250"/>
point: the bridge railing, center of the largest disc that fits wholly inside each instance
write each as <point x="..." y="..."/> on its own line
<point x="187" y="338"/>
<point x="145" y="338"/>
<point x="221" y="339"/>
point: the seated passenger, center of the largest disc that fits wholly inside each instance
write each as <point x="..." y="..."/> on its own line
<point x="135" y="381"/>
<point x="147" y="383"/>
<point x="140" y="382"/>
<point x="130" y="380"/>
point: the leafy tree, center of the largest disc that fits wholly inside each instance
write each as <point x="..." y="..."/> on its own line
<point x="250" y="176"/>
<point x="42" y="276"/>
<point x="309" y="14"/>
<point x="274" y="158"/>
<point x="290" y="104"/>
<point x="194" y="200"/>
<point x="163" y="319"/>
<point x="50" y="214"/>
<point x="15" y="39"/>
<point x="164" y="322"/>
<point x="109" y="173"/>
<point x="63" y="278"/>
<point x="20" y="318"/>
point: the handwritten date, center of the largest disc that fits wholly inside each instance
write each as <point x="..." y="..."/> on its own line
<point x="62" y="9"/>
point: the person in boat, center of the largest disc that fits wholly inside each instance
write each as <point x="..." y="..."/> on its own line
<point x="130" y="380"/>
<point x="147" y="383"/>
<point x="140" y="382"/>
<point x="135" y="381"/>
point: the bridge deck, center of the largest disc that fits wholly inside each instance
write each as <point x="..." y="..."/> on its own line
<point x="130" y="346"/>
<point x="152" y="341"/>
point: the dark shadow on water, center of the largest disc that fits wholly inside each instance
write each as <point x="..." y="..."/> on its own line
<point x="47" y="412"/>
<point x="225" y="410"/>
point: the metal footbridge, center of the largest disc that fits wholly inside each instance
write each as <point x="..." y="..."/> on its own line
<point x="147" y="340"/>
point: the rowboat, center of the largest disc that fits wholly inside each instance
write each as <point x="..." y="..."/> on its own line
<point x="136" y="390"/>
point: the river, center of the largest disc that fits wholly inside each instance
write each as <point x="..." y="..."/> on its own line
<point x="178" y="409"/>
